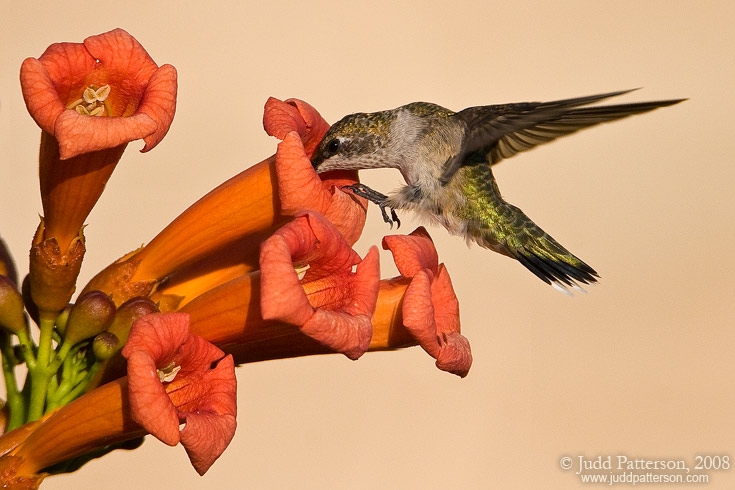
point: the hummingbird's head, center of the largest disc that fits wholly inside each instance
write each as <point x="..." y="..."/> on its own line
<point x="356" y="141"/>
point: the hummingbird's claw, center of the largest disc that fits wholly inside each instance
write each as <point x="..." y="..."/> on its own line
<point x="395" y="218"/>
<point x="389" y="219"/>
<point x="375" y="197"/>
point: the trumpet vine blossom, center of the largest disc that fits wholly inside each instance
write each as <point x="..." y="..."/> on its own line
<point x="175" y="376"/>
<point x="261" y="267"/>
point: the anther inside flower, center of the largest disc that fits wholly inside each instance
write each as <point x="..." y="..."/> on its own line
<point x="92" y="101"/>
<point x="168" y="373"/>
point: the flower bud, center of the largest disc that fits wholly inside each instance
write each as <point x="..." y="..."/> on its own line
<point x="12" y="316"/>
<point x="105" y="345"/>
<point x="63" y="319"/>
<point x="7" y="266"/>
<point x="31" y="307"/>
<point x="91" y="314"/>
<point x="128" y="312"/>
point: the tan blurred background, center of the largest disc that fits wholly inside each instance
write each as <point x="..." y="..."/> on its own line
<point x="641" y="366"/>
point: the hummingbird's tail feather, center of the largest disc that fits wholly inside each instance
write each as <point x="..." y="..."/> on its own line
<point x="561" y="270"/>
<point x="546" y="258"/>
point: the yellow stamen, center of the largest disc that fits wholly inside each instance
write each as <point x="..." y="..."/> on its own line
<point x="94" y="98"/>
<point x="168" y="373"/>
<point x="301" y="271"/>
<point x="89" y="95"/>
<point x="102" y="92"/>
<point x="74" y="104"/>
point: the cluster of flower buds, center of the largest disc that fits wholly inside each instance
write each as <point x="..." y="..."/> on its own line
<point x="262" y="267"/>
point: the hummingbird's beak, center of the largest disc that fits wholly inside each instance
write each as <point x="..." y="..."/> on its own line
<point x="315" y="162"/>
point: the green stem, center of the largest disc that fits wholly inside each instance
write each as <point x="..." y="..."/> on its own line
<point x="15" y="402"/>
<point x="41" y="374"/>
<point x="80" y="388"/>
<point x="27" y="346"/>
<point x="60" y="356"/>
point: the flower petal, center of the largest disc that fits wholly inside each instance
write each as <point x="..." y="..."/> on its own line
<point x="430" y="306"/>
<point x="120" y="53"/>
<point x="149" y="403"/>
<point x="280" y="118"/>
<point x="412" y="252"/>
<point x="340" y="303"/>
<point x="205" y="438"/>
<point x="211" y="426"/>
<point x="159" y="103"/>
<point x="41" y="97"/>
<point x="300" y="188"/>
<point x="79" y="134"/>
<point x="431" y="314"/>
<point x="154" y="341"/>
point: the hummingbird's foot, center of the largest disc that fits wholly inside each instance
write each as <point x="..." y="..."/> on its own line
<point x="378" y="198"/>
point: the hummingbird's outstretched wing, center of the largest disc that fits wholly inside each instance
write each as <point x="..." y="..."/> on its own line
<point x="503" y="130"/>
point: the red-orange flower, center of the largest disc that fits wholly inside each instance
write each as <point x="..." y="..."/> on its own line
<point x="430" y="307"/>
<point x="109" y="75"/>
<point x="176" y="376"/>
<point x="347" y="298"/>
<point x="58" y="82"/>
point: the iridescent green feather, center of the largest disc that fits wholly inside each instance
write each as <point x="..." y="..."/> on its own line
<point x="498" y="225"/>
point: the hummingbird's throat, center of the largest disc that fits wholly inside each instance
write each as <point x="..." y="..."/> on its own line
<point x="92" y="102"/>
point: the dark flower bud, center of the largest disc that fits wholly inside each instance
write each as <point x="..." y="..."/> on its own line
<point x="128" y="312"/>
<point x="7" y="266"/>
<point x="91" y="314"/>
<point x="31" y="307"/>
<point x="105" y="345"/>
<point x="12" y="316"/>
<point x="63" y="319"/>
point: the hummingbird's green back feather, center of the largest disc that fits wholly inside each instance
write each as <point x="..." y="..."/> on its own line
<point x="496" y="224"/>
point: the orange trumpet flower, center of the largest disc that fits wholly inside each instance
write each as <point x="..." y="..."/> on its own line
<point x="109" y="75"/>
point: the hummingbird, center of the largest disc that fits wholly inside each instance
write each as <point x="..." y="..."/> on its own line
<point x="446" y="160"/>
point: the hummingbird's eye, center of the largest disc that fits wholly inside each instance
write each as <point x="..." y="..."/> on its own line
<point x="333" y="146"/>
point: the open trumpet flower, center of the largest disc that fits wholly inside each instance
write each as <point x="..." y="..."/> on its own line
<point x="90" y="99"/>
<point x="261" y="267"/>
<point x="177" y="376"/>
